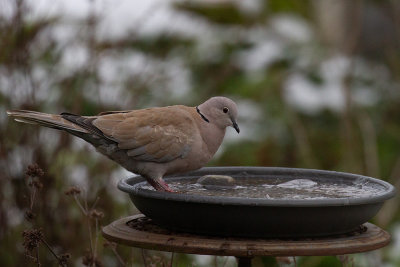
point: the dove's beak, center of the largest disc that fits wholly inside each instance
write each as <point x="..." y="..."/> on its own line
<point x="235" y="126"/>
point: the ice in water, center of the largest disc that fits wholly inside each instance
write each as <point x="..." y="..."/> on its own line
<point x="279" y="188"/>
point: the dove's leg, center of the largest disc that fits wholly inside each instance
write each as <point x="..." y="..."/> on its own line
<point x="159" y="184"/>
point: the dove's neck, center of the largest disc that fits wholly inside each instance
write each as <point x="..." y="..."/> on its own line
<point x="212" y="136"/>
<point x="211" y="133"/>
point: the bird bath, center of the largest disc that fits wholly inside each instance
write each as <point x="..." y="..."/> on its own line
<point x="262" y="212"/>
<point x="263" y="202"/>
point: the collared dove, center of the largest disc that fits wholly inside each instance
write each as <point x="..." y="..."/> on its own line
<point x="151" y="142"/>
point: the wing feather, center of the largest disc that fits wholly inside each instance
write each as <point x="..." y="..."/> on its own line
<point x="156" y="134"/>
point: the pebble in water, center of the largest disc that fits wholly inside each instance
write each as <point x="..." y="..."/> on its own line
<point x="216" y="180"/>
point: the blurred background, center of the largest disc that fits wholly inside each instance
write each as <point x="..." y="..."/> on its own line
<point x="316" y="82"/>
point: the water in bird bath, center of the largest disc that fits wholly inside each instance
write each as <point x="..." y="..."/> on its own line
<point x="279" y="188"/>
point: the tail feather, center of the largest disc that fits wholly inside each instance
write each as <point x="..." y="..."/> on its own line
<point x="44" y="119"/>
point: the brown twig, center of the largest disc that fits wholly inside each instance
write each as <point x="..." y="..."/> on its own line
<point x="350" y="49"/>
<point x="172" y="259"/>
<point x="33" y="193"/>
<point x="32" y="239"/>
<point x="113" y="247"/>
<point x="97" y="237"/>
<point x="390" y="208"/>
<point x="144" y="258"/>
<point x="59" y="259"/>
<point x="80" y="205"/>
<point x="95" y="203"/>
<point x="132" y="256"/>
<point x="368" y="134"/>
<point x="90" y="235"/>
<point x="225" y="261"/>
<point x="37" y="257"/>
<point x="90" y="214"/>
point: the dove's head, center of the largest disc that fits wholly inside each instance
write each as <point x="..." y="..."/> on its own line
<point x="220" y="111"/>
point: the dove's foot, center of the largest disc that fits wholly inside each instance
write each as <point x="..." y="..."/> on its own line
<point x="160" y="185"/>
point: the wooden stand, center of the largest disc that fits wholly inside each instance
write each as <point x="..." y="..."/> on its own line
<point x="139" y="231"/>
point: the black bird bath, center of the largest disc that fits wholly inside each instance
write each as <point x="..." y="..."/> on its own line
<point x="334" y="224"/>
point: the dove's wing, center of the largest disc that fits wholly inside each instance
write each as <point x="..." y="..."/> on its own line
<point x="156" y="134"/>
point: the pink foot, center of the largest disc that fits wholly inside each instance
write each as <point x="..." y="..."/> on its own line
<point x="160" y="185"/>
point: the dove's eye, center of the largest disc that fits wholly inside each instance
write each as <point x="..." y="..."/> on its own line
<point x="225" y="110"/>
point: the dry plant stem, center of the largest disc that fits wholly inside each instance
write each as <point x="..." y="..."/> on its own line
<point x="225" y="261"/>
<point x="97" y="237"/>
<point x="301" y="136"/>
<point x="172" y="259"/>
<point x="94" y="57"/>
<point x="52" y="251"/>
<point x="121" y="261"/>
<point x="90" y="235"/>
<point x="80" y="205"/>
<point x="34" y="259"/>
<point x="37" y="256"/>
<point x="33" y="192"/>
<point x="89" y="228"/>
<point x="346" y="260"/>
<point x="95" y="203"/>
<point x="85" y="212"/>
<point x="132" y="257"/>
<point x="350" y="159"/>
<point x="33" y="195"/>
<point x="391" y="207"/>
<point x="368" y="134"/>
<point x="302" y="140"/>
<point x="144" y="258"/>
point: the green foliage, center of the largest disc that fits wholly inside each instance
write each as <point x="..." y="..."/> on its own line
<point x="267" y="261"/>
<point x="319" y="262"/>
<point x="221" y="13"/>
<point x="244" y="154"/>
<point x="156" y="46"/>
<point x="290" y="6"/>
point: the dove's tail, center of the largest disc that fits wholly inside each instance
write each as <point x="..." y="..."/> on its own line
<point x="47" y="120"/>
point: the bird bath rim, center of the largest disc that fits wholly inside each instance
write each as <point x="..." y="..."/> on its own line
<point x="128" y="185"/>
